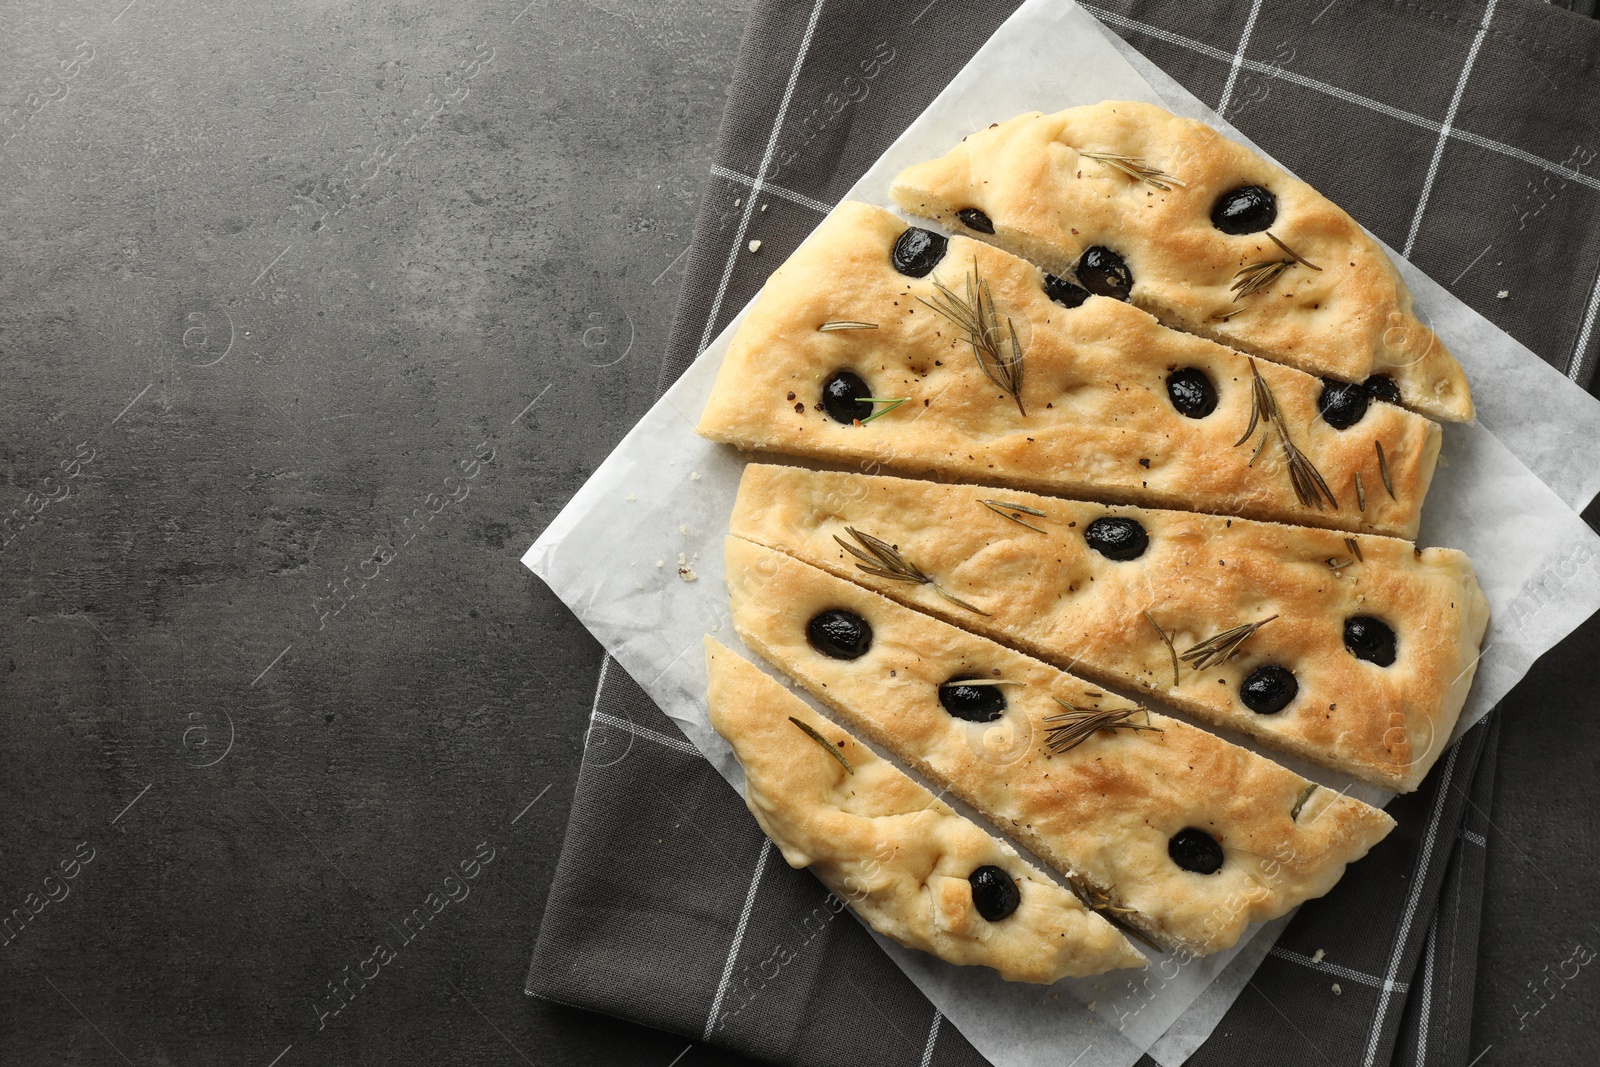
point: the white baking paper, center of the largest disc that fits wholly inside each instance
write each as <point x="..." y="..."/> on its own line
<point x="637" y="553"/>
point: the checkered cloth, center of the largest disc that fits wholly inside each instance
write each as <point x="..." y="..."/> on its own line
<point x="1452" y="133"/>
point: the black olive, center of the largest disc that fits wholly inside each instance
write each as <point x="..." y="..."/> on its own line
<point x="839" y="634"/>
<point x="1382" y="387"/>
<point x="1369" y="639"/>
<point x="1343" y="404"/>
<point x="1247" y="209"/>
<point x="1195" y="850"/>
<point x="1102" y="271"/>
<point x="994" y="894"/>
<point x="1118" y="539"/>
<point x="918" y="251"/>
<point x="841" y="397"/>
<point x="975" y="220"/>
<point x="1064" y="292"/>
<point x="1191" y="392"/>
<point x="1267" y="690"/>
<point x="974" y="703"/>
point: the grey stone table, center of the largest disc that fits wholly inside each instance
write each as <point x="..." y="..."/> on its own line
<point x="312" y="314"/>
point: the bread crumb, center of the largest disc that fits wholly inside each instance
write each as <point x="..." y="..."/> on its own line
<point x="660" y="563"/>
<point x="631" y="496"/>
<point x="763" y="207"/>
<point x="755" y="246"/>
<point x="682" y="528"/>
<point x="1504" y="294"/>
<point x="1337" y="991"/>
<point x="1092" y="1004"/>
<point x="1321" y="952"/>
<point x="684" y="570"/>
<point x="739" y="201"/>
<point x="694" y="476"/>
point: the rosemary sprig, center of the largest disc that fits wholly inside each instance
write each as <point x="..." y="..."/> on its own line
<point x="1294" y="813"/>
<point x="1383" y="469"/>
<point x="1338" y="564"/>
<point x="846" y="324"/>
<point x="1003" y="509"/>
<point x="884" y="560"/>
<point x="892" y="402"/>
<point x="1361" y="494"/>
<point x="1167" y="640"/>
<point x="1135" y="168"/>
<point x="1215" y="650"/>
<point x="1309" y="486"/>
<point x="1252" y="278"/>
<point x="975" y="316"/>
<point x="1076" y="725"/>
<point x="1355" y="548"/>
<point x="823" y="741"/>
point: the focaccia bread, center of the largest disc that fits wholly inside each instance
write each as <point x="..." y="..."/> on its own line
<point x="910" y="866"/>
<point x="1364" y="666"/>
<point x="1111" y="405"/>
<point x="1126" y="196"/>
<point x="1179" y="833"/>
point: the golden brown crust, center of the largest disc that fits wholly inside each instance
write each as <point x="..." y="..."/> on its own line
<point x="899" y="856"/>
<point x="1351" y="319"/>
<point x="1047" y="592"/>
<point x="1104" y="812"/>
<point x="1099" y="420"/>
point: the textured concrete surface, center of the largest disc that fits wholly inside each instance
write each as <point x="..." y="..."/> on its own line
<point x="312" y="314"/>
<point x="276" y="283"/>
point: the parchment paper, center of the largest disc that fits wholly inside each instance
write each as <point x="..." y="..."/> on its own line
<point x="637" y="553"/>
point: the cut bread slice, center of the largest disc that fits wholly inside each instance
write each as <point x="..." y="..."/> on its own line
<point x="1126" y="195"/>
<point x="1175" y="831"/>
<point x="1108" y="403"/>
<point x="914" y="869"/>
<point x="1364" y="666"/>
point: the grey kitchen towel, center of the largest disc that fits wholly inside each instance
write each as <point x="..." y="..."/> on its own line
<point x="1456" y="133"/>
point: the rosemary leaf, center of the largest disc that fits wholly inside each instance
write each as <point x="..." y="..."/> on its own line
<point x="1135" y="168"/>
<point x="1355" y="548"/>
<point x="823" y="741"/>
<point x="1076" y="725"/>
<point x="1361" y="493"/>
<point x="1298" y="258"/>
<point x="975" y="316"/>
<point x="1383" y="469"/>
<point x="1338" y="564"/>
<point x="1294" y="813"/>
<point x="1215" y="650"/>
<point x="1167" y="640"/>
<point x="884" y="560"/>
<point x="892" y="402"/>
<point x="846" y="324"/>
<point x="1003" y="509"/>
<point x="1255" y="411"/>
<point x="1099" y="901"/>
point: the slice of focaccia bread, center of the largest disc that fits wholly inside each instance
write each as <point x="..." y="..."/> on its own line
<point x="1106" y="404"/>
<point x="1134" y="201"/>
<point x="915" y="870"/>
<point x="1364" y="666"/>
<point x="1179" y="833"/>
